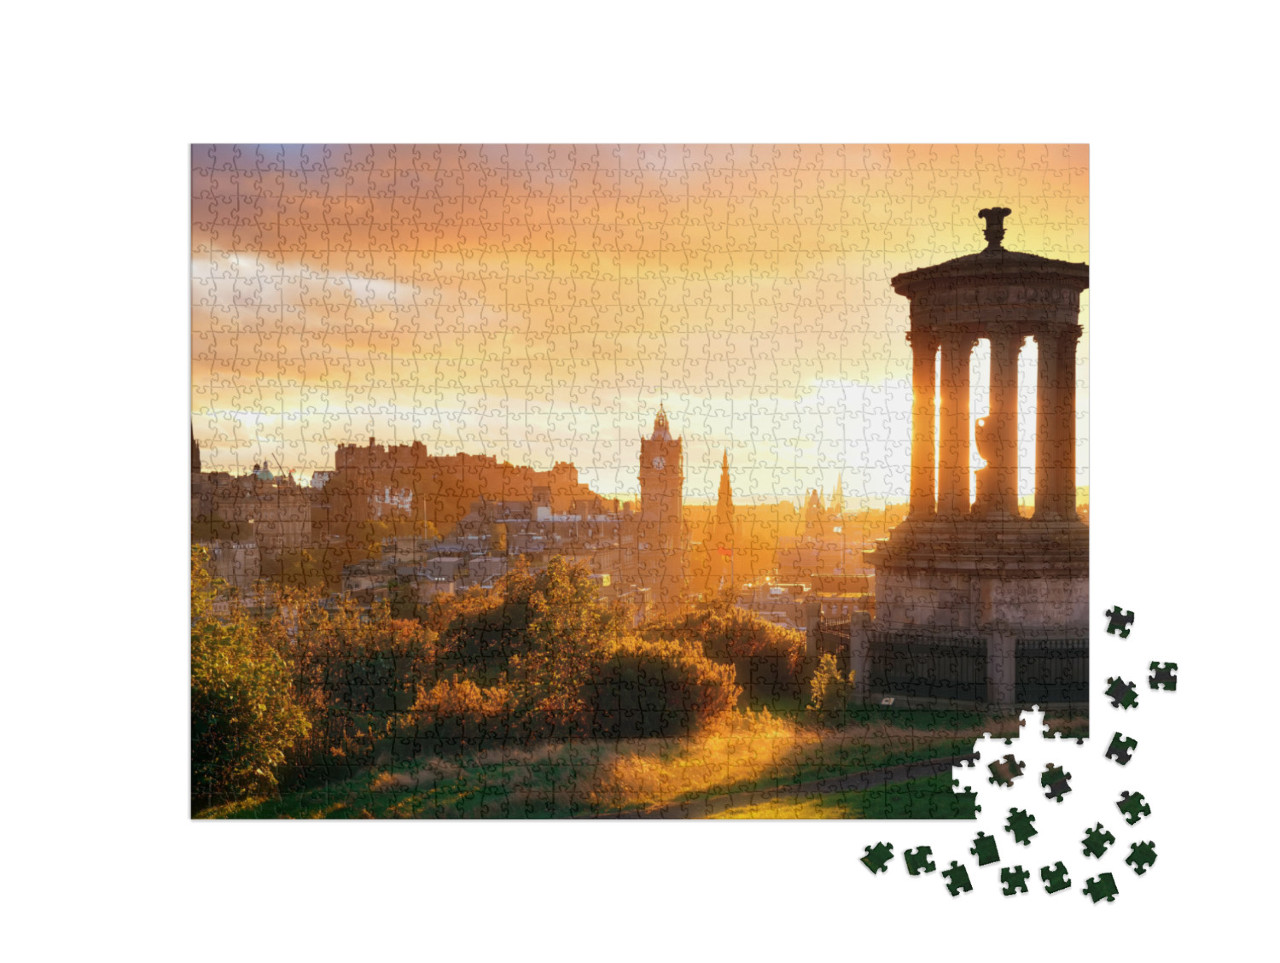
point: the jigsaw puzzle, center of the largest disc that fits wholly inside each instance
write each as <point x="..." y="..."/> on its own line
<point x="1019" y="823"/>
<point x="1102" y="886"/>
<point x="919" y="861"/>
<point x="1014" y="880"/>
<point x="1163" y="676"/>
<point x="1055" y="781"/>
<point x="1133" y="806"/>
<point x="644" y="481"/>
<point x="1055" y="878"/>
<point x="1141" y="856"/>
<point x="957" y="879"/>
<point x="1096" y="841"/>
<point x="986" y="849"/>
<point x="1121" y="749"/>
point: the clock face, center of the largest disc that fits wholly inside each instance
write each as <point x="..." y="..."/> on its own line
<point x="659" y="463"/>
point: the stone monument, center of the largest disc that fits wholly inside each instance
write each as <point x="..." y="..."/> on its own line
<point x="974" y="602"/>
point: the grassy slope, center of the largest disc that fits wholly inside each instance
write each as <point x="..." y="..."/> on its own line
<point x="745" y="752"/>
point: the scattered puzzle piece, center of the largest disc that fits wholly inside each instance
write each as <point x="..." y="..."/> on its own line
<point x="1163" y="676"/>
<point x="1019" y="823"/>
<point x="1096" y="841"/>
<point x="1141" y="856"/>
<point x="1123" y="694"/>
<point x="984" y="847"/>
<point x="957" y="879"/>
<point x="1133" y="806"/>
<point x="1014" y="879"/>
<point x="1121" y="749"/>
<point x="1119" y="623"/>
<point x="1005" y="771"/>
<point x="918" y="860"/>
<point x="1055" y="780"/>
<point x="1055" y="879"/>
<point x="877" y="858"/>
<point x="1102" y="886"/>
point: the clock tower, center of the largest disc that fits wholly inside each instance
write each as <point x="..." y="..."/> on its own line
<point x="662" y="515"/>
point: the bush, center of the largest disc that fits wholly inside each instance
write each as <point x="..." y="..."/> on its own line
<point x="830" y="691"/>
<point x="655" y="688"/>
<point x="769" y="658"/>
<point x="357" y="662"/>
<point x="550" y="619"/>
<point x="244" y="716"/>
<point x="457" y="714"/>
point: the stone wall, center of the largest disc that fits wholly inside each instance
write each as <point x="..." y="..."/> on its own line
<point x="959" y="601"/>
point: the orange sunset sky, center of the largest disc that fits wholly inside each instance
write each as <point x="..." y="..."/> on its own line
<point x="537" y="303"/>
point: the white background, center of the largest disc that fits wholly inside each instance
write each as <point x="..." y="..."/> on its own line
<point x="102" y="103"/>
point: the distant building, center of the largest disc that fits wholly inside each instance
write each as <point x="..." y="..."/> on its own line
<point x="661" y="528"/>
<point x="272" y="513"/>
<point x="722" y="542"/>
<point x="239" y="564"/>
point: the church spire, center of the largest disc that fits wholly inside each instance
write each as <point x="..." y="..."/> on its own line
<point x="724" y="505"/>
<point x="722" y="533"/>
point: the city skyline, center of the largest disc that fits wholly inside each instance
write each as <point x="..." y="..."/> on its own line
<point x="537" y="304"/>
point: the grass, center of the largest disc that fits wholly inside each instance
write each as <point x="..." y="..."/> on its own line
<point x="744" y="752"/>
<point x="928" y="798"/>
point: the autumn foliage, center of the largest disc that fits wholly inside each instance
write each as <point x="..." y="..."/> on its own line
<point x="299" y="689"/>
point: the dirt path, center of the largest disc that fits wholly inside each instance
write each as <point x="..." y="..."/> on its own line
<point x="853" y="782"/>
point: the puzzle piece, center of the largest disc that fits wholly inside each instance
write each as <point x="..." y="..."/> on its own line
<point x="1019" y="823"/>
<point x="1102" y="886"/>
<point x="1005" y="771"/>
<point x="1119" y="622"/>
<point x="1163" y="676"/>
<point x="1055" y="780"/>
<point x="877" y="858"/>
<point x="1055" y="879"/>
<point x="957" y="879"/>
<point x="1096" y="841"/>
<point x="984" y="847"/>
<point x="1123" y="694"/>
<point x="918" y="860"/>
<point x="1133" y="806"/>
<point x="1141" y="856"/>
<point x="1015" y="879"/>
<point x="1121" y="749"/>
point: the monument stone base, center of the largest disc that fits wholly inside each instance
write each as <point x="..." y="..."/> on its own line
<point x="979" y="609"/>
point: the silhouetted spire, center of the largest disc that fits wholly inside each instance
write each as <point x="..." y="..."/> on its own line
<point x="724" y="505"/>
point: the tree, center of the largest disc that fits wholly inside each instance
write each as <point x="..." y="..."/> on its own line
<point x="244" y="716"/>
<point x="830" y="690"/>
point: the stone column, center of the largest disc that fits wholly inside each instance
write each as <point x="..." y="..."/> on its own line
<point x="924" y="345"/>
<point x="1005" y="345"/>
<point x="1063" y="495"/>
<point x="953" y="470"/>
<point x="1002" y="656"/>
<point x="1048" y="423"/>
